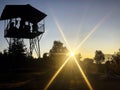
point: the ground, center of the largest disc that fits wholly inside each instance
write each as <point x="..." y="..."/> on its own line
<point x="69" y="78"/>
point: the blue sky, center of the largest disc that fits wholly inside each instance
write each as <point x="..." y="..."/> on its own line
<point x="76" y="18"/>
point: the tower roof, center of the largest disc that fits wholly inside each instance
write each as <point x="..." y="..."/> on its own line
<point x="26" y="12"/>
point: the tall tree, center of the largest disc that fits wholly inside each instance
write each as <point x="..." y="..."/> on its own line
<point x="58" y="48"/>
<point x="116" y="62"/>
<point x="99" y="57"/>
<point x="116" y="57"/>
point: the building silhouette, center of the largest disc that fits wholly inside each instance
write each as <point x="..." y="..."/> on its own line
<point x="23" y="22"/>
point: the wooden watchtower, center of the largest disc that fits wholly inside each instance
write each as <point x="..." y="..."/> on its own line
<point x="23" y="22"/>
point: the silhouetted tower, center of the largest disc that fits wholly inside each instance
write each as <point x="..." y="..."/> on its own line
<point x="23" y="22"/>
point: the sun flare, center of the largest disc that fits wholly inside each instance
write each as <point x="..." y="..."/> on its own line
<point x="72" y="54"/>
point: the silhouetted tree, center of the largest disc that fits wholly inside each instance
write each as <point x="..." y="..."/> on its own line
<point x="58" y="48"/>
<point x="116" y="62"/>
<point x="1" y="55"/>
<point x="17" y="48"/>
<point x="57" y="53"/>
<point x="88" y="61"/>
<point x="89" y="66"/>
<point x="5" y="51"/>
<point x="116" y="57"/>
<point x="45" y="56"/>
<point x="99" y="57"/>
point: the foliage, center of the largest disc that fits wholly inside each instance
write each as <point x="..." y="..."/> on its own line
<point x="17" y="48"/>
<point x="45" y="56"/>
<point x="116" y="57"/>
<point x="88" y="61"/>
<point x="113" y="66"/>
<point x="99" y="57"/>
<point x="57" y="49"/>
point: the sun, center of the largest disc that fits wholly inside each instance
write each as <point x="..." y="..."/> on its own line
<point x="72" y="54"/>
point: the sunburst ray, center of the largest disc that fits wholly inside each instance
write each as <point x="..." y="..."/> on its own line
<point x="92" y="31"/>
<point x="81" y="43"/>
<point x="55" y="75"/>
<point x="83" y="74"/>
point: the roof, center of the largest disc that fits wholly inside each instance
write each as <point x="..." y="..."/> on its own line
<point x="26" y="12"/>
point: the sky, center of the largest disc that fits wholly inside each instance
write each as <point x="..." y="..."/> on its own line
<point x="87" y="25"/>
